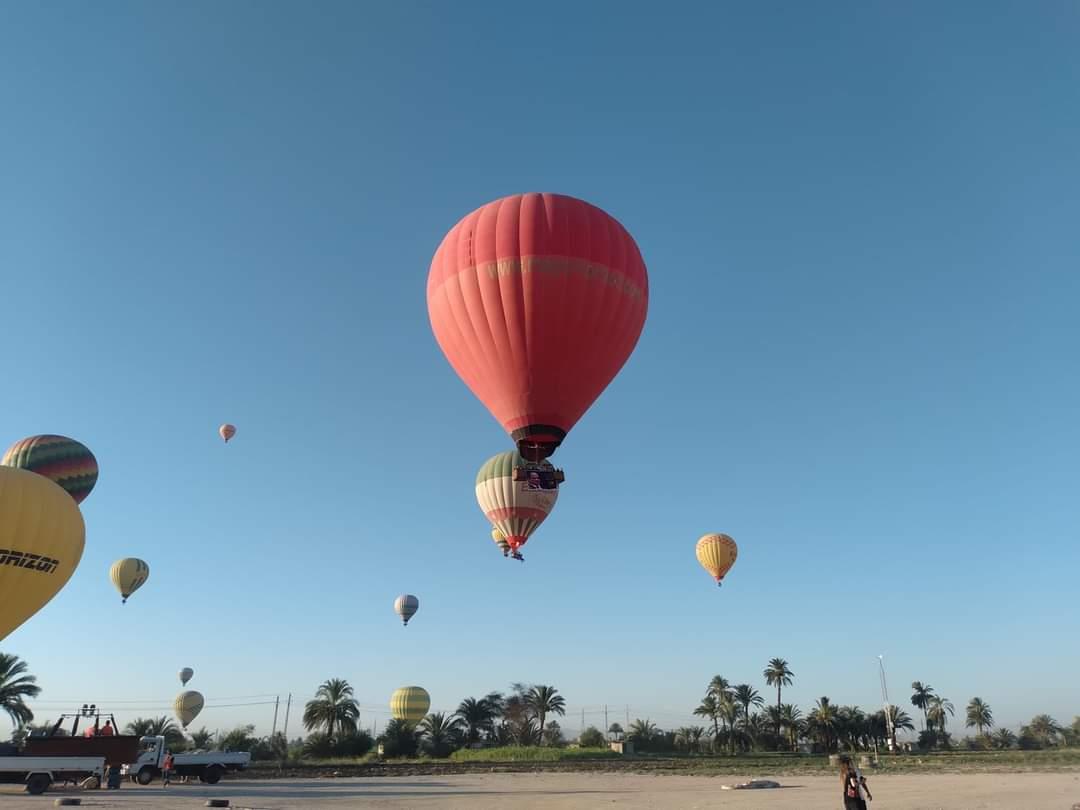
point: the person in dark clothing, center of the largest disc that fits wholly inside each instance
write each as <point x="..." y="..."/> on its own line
<point x="854" y="786"/>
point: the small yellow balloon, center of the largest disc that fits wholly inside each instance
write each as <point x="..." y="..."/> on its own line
<point x="42" y="536"/>
<point x="187" y="706"/>
<point x="717" y="553"/>
<point x="409" y="704"/>
<point x="128" y="575"/>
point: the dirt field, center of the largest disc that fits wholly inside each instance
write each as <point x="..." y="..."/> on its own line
<point x="1021" y="791"/>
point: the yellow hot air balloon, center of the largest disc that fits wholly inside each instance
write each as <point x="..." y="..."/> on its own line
<point x="187" y="706"/>
<point x="128" y="575"/>
<point x="717" y="553"/>
<point x="42" y="535"/>
<point x="409" y="704"/>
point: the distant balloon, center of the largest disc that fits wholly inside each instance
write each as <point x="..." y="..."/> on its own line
<point x="405" y="606"/>
<point x="128" y="575"/>
<point x="42" y="536"/>
<point x="409" y="704"/>
<point x="500" y="541"/>
<point x="187" y="706"/>
<point x="185" y="675"/>
<point x="227" y="431"/>
<point x="65" y="461"/>
<point x="515" y="508"/>
<point x="717" y="553"/>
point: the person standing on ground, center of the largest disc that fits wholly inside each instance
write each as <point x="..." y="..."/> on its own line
<point x="166" y="768"/>
<point x="856" y="792"/>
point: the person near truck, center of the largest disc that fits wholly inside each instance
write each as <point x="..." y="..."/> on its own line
<point x="166" y="768"/>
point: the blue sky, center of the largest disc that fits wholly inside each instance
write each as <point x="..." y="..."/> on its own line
<point x="860" y="226"/>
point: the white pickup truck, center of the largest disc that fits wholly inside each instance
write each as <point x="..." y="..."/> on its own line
<point x="37" y="773"/>
<point x="209" y="766"/>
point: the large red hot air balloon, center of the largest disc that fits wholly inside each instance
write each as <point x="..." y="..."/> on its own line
<point x="537" y="301"/>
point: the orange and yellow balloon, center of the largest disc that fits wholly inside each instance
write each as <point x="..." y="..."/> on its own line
<point x="227" y="431"/>
<point x="500" y="541"/>
<point x="717" y="553"/>
<point x="42" y="536"/>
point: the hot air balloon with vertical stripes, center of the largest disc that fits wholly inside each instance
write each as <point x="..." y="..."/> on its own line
<point x="537" y="301"/>
<point x="409" y="704"/>
<point x="62" y="460"/>
<point x="227" y="431"/>
<point x="187" y="706"/>
<point x="406" y="606"/>
<point x="717" y="553"/>
<point x="128" y="575"/>
<point x="185" y="675"/>
<point x="515" y="508"/>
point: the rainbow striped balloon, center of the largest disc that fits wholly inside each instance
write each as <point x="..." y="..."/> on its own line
<point x="62" y="460"/>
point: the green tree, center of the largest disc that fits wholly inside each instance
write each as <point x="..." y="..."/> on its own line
<point x="746" y="696"/>
<point x="791" y="721"/>
<point x="202" y="738"/>
<point x="16" y="686"/>
<point x="920" y="699"/>
<point x="441" y="734"/>
<point x="616" y="731"/>
<point x="728" y="711"/>
<point x="822" y="721"/>
<point x="478" y="717"/>
<point x="591" y="737"/>
<point x="778" y="674"/>
<point x="710" y="709"/>
<point x="1003" y="738"/>
<point x="939" y="712"/>
<point x="544" y="700"/>
<point x="157" y="727"/>
<point x="979" y="715"/>
<point x="399" y="739"/>
<point x="333" y="708"/>
<point x="1044" y="730"/>
<point x="643" y="733"/>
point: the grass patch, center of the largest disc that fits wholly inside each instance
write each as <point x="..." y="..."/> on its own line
<point x="531" y="754"/>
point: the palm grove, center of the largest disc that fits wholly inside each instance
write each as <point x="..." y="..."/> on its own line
<point x="735" y="720"/>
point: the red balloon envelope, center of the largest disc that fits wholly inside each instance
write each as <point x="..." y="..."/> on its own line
<point x="537" y="301"/>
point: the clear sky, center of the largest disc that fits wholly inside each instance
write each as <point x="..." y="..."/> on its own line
<point x="860" y="222"/>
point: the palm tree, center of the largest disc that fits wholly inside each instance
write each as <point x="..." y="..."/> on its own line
<point x="746" y="696"/>
<point x="333" y="708"/>
<point x="616" y="731"/>
<point x="1045" y="729"/>
<point x="791" y="719"/>
<point x="201" y="739"/>
<point x="15" y="687"/>
<point x="545" y="700"/>
<point x="696" y="735"/>
<point x="778" y="674"/>
<point x="710" y="709"/>
<point x="718" y="687"/>
<point x="1003" y="738"/>
<point x="440" y="732"/>
<point x="642" y="732"/>
<point x="156" y="727"/>
<point x="979" y="715"/>
<point x="822" y="722"/>
<point x="939" y="708"/>
<point x="921" y="699"/>
<point x="901" y="721"/>
<point x="478" y="717"/>
<point x="729" y="713"/>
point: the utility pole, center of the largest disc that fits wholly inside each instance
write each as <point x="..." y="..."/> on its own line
<point x="890" y="729"/>
<point x="627" y="718"/>
<point x="288" y="706"/>
<point x="582" y="721"/>
<point x="273" y="728"/>
<point x="606" y="726"/>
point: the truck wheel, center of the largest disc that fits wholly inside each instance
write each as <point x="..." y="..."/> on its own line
<point x="212" y="775"/>
<point x="38" y="783"/>
<point x="145" y="776"/>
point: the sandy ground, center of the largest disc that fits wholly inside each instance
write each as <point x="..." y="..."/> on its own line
<point x="1021" y="791"/>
